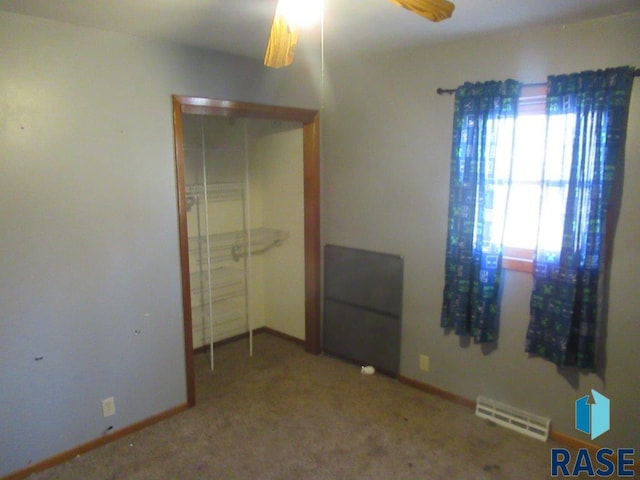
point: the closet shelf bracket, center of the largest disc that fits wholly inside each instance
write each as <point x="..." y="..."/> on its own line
<point x="261" y="240"/>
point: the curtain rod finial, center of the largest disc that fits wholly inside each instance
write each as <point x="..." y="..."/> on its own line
<point x="442" y="91"/>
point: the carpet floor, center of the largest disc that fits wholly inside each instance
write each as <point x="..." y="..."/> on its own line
<point x="285" y="414"/>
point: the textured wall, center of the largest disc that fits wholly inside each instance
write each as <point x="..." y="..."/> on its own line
<point x="387" y="143"/>
<point x="88" y="220"/>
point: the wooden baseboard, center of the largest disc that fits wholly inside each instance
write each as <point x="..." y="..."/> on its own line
<point x="559" y="437"/>
<point x="573" y="442"/>
<point x="115" y="435"/>
<point x="93" y="444"/>
<point x="257" y="331"/>
<point x="437" y="391"/>
<point x="98" y="442"/>
<point x="224" y="341"/>
<point x="284" y="336"/>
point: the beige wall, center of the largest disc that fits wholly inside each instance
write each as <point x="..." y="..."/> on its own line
<point x="280" y="168"/>
<point x="387" y="140"/>
<point x="276" y="199"/>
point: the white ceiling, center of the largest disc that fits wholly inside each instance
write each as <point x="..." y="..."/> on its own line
<point x="357" y="26"/>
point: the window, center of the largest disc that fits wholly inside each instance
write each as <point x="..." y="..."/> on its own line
<point x="550" y="170"/>
<point x="529" y="170"/>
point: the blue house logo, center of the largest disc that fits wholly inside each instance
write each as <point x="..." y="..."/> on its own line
<point x="592" y="418"/>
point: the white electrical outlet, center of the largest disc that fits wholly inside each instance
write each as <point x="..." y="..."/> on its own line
<point x="424" y="363"/>
<point x="108" y="407"/>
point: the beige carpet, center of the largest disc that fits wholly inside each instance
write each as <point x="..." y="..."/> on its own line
<point x="285" y="414"/>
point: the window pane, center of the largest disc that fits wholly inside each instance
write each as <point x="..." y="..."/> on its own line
<point x="501" y="131"/>
<point x="539" y="176"/>
<point x="529" y="148"/>
<point x="559" y="147"/>
<point x="552" y="218"/>
<point x="522" y="215"/>
<point x="498" y="214"/>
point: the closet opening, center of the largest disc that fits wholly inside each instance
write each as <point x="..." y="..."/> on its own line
<point x="241" y="221"/>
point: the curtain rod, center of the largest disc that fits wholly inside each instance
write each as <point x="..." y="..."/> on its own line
<point x="451" y="91"/>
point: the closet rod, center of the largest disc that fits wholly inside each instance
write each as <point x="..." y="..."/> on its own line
<point x="451" y="91"/>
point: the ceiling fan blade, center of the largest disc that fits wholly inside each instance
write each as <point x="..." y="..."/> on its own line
<point x="434" y="10"/>
<point x="282" y="42"/>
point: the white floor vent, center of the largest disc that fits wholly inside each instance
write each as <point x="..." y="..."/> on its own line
<point x="510" y="417"/>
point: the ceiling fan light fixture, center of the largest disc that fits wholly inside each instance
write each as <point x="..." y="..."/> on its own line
<point x="301" y="13"/>
<point x="290" y="16"/>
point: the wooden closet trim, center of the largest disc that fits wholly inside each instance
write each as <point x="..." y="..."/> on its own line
<point x="311" y="158"/>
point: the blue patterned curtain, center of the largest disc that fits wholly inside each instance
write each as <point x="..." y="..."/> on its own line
<point x="484" y="117"/>
<point x="564" y="303"/>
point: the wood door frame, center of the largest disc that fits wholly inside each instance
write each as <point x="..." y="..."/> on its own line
<point x="311" y="171"/>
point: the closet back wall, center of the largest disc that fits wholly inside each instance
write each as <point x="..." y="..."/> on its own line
<point x="278" y="163"/>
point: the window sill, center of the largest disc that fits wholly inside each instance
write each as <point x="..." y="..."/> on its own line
<point x="518" y="259"/>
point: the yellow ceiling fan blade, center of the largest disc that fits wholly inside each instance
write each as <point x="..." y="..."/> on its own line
<point x="434" y="10"/>
<point x="282" y="41"/>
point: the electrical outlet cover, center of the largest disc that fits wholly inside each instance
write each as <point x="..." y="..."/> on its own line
<point x="108" y="407"/>
<point x="424" y="363"/>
